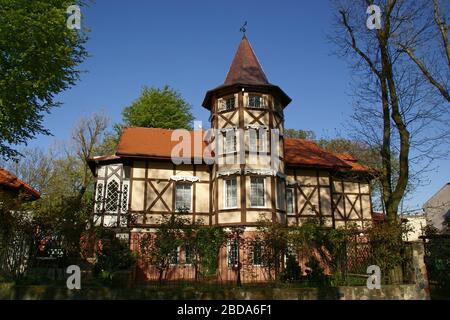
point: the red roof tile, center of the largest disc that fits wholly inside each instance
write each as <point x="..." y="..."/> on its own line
<point x="245" y="68"/>
<point x="300" y="152"/>
<point x="155" y="142"/>
<point x="11" y="182"/>
<point x="352" y="162"/>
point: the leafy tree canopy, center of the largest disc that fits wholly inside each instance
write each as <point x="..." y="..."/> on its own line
<point x="38" y="59"/>
<point x="299" y="134"/>
<point x="159" y="108"/>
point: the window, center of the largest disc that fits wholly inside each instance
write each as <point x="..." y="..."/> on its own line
<point x="229" y="141"/>
<point x="257" y="140"/>
<point x="227" y="103"/>
<point x="125" y="198"/>
<point x="257" y="198"/>
<point x="255" y="101"/>
<point x="257" y="253"/>
<point x="230" y="193"/>
<point x="280" y="194"/>
<point x="174" y="256"/>
<point x="112" y="198"/>
<point x="290" y="200"/>
<point x="187" y="254"/>
<point x="183" y="197"/>
<point x="99" y="198"/>
<point x="233" y="252"/>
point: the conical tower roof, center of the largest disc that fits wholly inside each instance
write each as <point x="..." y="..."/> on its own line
<point x="245" y="68"/>
<point x="245" y="73"/>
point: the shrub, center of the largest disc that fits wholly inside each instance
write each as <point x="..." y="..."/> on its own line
<point x="114" y="256"/>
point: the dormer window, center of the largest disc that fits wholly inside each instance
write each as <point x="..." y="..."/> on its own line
<point x="255" y="101"/>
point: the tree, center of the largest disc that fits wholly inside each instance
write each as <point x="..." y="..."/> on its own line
<point x="162" y="246"/>
<point x="38" y="59"/>
<point x="429" y="37"/>
<point x="64" y="211"/>
<point x="300" y="134"/>
<point x="390" y="95"/>
<point x="159" y="108"/>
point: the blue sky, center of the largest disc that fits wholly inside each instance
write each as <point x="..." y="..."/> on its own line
<point x="189" y="45"/>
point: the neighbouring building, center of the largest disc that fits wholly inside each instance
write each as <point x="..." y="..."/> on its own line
<point x="437" y="208"/>
<point x="13" y="186"/>
<point x="299" y="181"/>
<point x="416" y="226"/>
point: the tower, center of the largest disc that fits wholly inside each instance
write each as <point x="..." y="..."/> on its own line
<point x="247" y="113"/>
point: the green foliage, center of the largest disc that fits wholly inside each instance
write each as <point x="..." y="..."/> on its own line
<point x="300" y="134"/>
<point x="38" y="59"/>
<point x="159" y="108"/>
<point x="437" y="257"/>
<point x="64" y="212"/>
<point x="274" y="242"/>
<point x="162" y="246"/>
<point x="316" y="275"/>
<point x="387" y="247"/>
<point x="292" y="272"/>
<point x="205" y="244"/>
<point x="114" y="256"/>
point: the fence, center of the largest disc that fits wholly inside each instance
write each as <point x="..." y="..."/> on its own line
<point x="248" y="261"/>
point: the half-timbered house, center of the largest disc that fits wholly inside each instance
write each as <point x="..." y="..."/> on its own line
<point x="290" y="181"/>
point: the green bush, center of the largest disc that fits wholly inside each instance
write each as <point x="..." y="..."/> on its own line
<point x="292" y="272"/>
<point x="114" y="256"/>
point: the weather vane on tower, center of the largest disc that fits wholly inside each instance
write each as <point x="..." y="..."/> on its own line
<point x="243" y="28"/>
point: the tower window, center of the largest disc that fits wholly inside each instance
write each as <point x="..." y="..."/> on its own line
<point x="255" y="101"/>
<point x="257" y="197"/>
<point x="280" y="194"/>
<point x="257" y="140"/>
<point x="229" y="141"/>
<point x="228" y="103"/>
<point x="230" y="193"/>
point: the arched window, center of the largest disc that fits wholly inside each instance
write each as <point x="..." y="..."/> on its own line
<point x="112" y="197"/>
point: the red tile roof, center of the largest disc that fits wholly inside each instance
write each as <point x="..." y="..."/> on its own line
<point x="245" y="73"/>
<point x="157" y="143"/>
<point x="300" y="152"/>
<point x="353" y="162"/>
<point x="11" y="182"/>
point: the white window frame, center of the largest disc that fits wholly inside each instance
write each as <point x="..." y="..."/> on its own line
<point x="191" y="198"/>
<point x="264" y="192"/>
<point x="261" y="101"/>
<point x="229" y="133"/>
<point x="222" y="103"/>
<point x="225" y="193"/>
<point x="290" y="190"/>
<point x="260" y="142"/>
